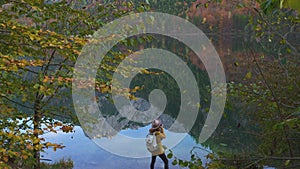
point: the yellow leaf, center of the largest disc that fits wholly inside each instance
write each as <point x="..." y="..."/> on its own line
<point x="204" y="20"/>
<point x="42" y="88"/>
<point x="31" y="37"/>
<point x="35" y="141"/>
<point x="14" y="68"/>
<point x="48" y="144"/>
<point x="29" y="147"/>
<point x="60" y="79"/>
<point x="248" y="75"/>
<point x="34" y="7"/>
<point x="105" y="89"/>
<point x="24" y="157"/>
<point x="287" y="162"/>
<point x="46" y="79"/>
<point x="5" y="159"/>
<point x="145" y="71"/>
<point x="136" y="88"/>
<point x="198" y="105"/>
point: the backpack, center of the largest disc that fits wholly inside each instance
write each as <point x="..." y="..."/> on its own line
<point x="151" y="142"/>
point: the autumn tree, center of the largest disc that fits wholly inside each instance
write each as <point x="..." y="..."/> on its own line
<point x="40" y="41"/>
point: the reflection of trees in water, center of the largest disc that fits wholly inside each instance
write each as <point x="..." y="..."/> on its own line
<point x="232" y="134"/>
<point x="235" y="133"/>
<point x="112" y="121"/>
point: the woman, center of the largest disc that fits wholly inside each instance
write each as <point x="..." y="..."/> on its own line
<point x="158" y="129"/>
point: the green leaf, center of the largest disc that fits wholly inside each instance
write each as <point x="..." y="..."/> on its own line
<point x="223" y="144"/>
<point x="283" y="61"/>
<point x="170" y="155"/>
<point x="36" y="86"/>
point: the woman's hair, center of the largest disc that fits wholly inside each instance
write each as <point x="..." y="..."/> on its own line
<point x="152" y="130"/>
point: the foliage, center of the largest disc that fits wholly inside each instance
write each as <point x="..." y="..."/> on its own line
<point x="270" y="5"/>
<point x="268" y="94"/>
<point x="40" y="41"/>
<point x="271" y="87"/>
<point x="211" y="160"/>
<point x="274" y="31"/>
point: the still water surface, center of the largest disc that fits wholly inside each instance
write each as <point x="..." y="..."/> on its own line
<point x="88" y="155"/>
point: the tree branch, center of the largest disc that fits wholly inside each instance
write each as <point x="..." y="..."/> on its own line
<point x="17" y="102"/>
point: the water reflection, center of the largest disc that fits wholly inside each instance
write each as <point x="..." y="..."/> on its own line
<point x="86" y="154"/>
<point x="105" y="129"/>
<point x="134" y="147"/>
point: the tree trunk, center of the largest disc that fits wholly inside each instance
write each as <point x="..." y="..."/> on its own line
<point x="36" y="129"/>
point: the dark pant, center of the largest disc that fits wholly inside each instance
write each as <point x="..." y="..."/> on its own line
<point x="163" y="157"/>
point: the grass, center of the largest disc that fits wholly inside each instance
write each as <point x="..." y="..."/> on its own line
<point x="61" y="164"/>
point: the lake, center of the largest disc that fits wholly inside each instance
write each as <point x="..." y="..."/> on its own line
<point x="86" y="154"/>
